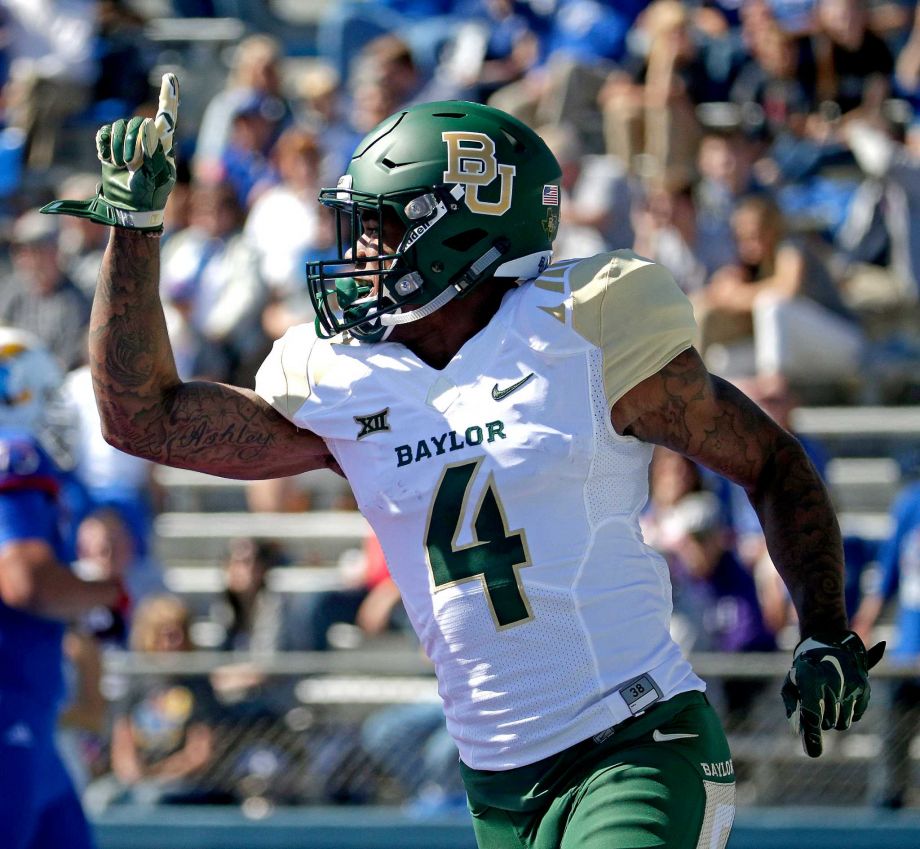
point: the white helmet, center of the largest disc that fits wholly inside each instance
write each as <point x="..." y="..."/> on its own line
<point x="29" y="379"/>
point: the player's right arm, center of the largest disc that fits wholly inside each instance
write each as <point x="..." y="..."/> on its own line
<point x="32" y="579"/>
<point x="148" y="411"/>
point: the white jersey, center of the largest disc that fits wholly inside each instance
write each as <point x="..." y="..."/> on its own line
<point x="507" y="505"/>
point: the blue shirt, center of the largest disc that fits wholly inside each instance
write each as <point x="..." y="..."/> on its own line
<point x="723" y="607"/>
<point x="592" y="31"/>
<point x="899" y="559"/>
<point x="31" y="662"/>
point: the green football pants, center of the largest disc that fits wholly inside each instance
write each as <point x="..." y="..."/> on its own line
<point x="662" y="779"/>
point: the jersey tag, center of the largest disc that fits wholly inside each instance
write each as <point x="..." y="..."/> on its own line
<point x="640" y="694"/>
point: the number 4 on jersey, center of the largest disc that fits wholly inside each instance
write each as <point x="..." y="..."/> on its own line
<point x="494" y="556"/>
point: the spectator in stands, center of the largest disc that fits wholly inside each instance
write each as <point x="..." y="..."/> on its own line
<point x="39" y="297"/>
<point x="778" y="77"/>
<point x="81" y="723"/>
<point x="592" y="32"/>
<point x="246" y="162"/>
<point x="251" y="615"/>
<point x="82" y="242"/>
<point x="286" y="227"/>
<point x="371" y="102"/>
<point x="889" y="218"/>
<point x="105" y="549"/>
<point x="781" y="294"/>
<point x="213" y="289"/>
<point x="907" y="67"/>
<point x="596" y="194"/>
<point x="194" y="8"/>
<point x="849" y="56"/>
<point x="383" y="78"/>
<point x="388" y="62"/>
<point x="125" y="58"/>
<point x="712" y="590"/>
<point x="163" y="729"/>
<point x="671" y="477"/>
<point x="110" y="477"/>
<point x="715" y="600"/>
<point x="253" y="619"/>
<point x="724" y="176"/>
<point x="649" y="107"/>
<point x="256" y="69"/>
<point x="373" y="605"/>
<point x="899" y="560"/>
<point x="578" y="234"/>
<point x="409" y="744"/>
<point x="345" y="28"/>
<point x="427" y="27"/>
<point x="321" y="108"/>
<point x="796" y="17"/>
<point x="580" y="42"/>
<point x="51" y="69"/>
<point x="665" y="224"/>
<point x="177" y="218"/>
<point x="494" y="46"/>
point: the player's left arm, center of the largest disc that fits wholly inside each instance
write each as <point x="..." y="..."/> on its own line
<point x="705" y="418"/>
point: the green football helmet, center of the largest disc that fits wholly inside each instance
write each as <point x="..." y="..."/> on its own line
<point x="477" y="192"/>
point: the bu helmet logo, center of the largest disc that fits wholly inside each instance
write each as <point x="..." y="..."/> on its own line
<point x="471" y="161"/>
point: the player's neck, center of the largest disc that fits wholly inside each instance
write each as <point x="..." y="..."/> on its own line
<point x="437" y="339"/>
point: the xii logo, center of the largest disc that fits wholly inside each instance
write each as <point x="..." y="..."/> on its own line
<point x="373" y="423"/>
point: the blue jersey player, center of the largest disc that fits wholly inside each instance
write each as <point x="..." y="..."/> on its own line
<point x="39" y="808"/>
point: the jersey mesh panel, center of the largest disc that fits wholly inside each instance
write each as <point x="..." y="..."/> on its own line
<point x="719" y="815"/>
<point x="602" y="499"/>
<point x="519" y="685"/>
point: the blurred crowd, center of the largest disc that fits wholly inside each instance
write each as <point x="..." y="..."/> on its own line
<point x="767" y="152"/>
<point x="764" y="151"/>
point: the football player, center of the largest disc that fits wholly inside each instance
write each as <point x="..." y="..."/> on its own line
<point x="39" y="808"/>
<point x="495" y="415"/>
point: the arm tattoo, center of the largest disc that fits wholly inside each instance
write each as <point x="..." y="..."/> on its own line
<point x="712" y="422"/>
<point x="147" y="411"/>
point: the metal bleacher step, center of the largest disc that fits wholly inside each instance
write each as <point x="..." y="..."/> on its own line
<point x="860" y="431"/>
<point x="319" y="536"/>
<point x="189" y="491"/>
<point x="190" y="578"/>
<point x="863" y="484"/>
<point x="874" y="527"/>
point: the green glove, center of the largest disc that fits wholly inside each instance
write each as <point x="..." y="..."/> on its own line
<point x="828" y="685"/>
<point x="138" y="169"/>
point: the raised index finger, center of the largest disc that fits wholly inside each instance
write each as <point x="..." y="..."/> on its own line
<point x="168" y="110"/>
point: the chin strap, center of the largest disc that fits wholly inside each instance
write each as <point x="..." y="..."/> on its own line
<point x="393" y="319"/>
<point x="524" y="267"/>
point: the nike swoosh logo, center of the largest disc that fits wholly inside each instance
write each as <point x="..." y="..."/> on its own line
<point x="660" y="737"/>
<point x="498" y="394"/>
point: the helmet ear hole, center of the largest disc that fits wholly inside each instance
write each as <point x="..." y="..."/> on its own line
<point x="464" y="241"/>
